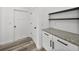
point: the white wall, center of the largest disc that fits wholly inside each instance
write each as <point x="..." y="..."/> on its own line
<point x="35" y="23"/>
<point x="66" y="25"/>
<point x="0" y="24"/>
<point x="44" y="14"/>
<point x="6" y="25"/>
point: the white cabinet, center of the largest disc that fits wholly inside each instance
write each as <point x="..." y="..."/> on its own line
<point x="47" y="41"/>
<point x="54" y="43"/>
<point x="62" y="45"/>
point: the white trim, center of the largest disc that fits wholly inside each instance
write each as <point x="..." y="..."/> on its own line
<point x="22" y="11"/>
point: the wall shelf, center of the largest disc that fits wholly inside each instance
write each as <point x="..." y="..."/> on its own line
<point x="64" y="19"/>
<point x="77" y="8"/>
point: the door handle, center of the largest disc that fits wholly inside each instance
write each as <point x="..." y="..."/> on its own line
<point x="62" y="42"/>
<point x="52" y="45"/>
<point x="14" y="26"/>
<point x="46" y="34"/>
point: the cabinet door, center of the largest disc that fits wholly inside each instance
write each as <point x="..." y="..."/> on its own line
<point x="47" y="41"/>
<point x="62" y="45"/>
<point x="59" y="46"/>
<point x="72" y="47"/>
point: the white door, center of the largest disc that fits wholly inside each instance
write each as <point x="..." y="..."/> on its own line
<point x="22" y="25"/>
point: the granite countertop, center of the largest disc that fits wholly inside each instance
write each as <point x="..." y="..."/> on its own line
<point x="67" y="36"/>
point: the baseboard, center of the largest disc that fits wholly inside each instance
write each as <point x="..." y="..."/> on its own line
<point x="6" y="42"/>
